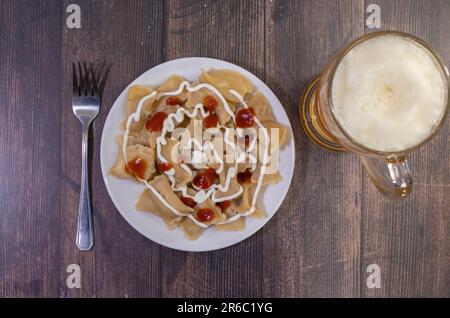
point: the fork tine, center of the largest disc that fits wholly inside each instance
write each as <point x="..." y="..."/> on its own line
<point x="76" y="90"/>
<point x="94" y="81"/>
<point x="82" y="80"/>
<point x="87" y="79"/>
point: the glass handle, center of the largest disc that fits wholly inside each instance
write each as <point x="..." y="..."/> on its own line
<point x="392" y="177"/>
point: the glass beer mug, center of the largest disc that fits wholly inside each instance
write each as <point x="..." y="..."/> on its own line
<point x="334" y="114"/>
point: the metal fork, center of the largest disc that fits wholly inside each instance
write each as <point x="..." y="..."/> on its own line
<point x="86" y="106"/>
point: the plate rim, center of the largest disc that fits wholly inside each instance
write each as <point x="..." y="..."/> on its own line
<point x="105" y="172"/>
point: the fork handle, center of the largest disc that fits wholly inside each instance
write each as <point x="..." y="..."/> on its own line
<point x="85" y="229"/>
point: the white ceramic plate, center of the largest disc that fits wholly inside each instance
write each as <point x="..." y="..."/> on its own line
<point x="124" y="193"/>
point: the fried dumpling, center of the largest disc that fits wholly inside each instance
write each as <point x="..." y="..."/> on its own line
<point x="278" y="134"/>
<point x="170" y="152"/>
<point x="171" y="84"/>
<point x="135" y="94"/>
<point x="237" y="225"/>
<point x="147" y="202"/>
<point x="141" y="161"/>
<point x="261" y="106"/>
<point x="224" y="80"/>
<point x="119" y="170"/>
<point x="161" y="184"/>
<point x="198" y="97"/>
<point x="163" y="202"/>
<point x="246" y="200"/>
<point x="270" y="176"/>
<point x="208" y="204"/>
<point x="234" y="188"/>
<point x="191" y="230"/>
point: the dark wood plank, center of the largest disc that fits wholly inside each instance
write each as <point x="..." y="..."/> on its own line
<point x="410" y="239"/>
<point x="30" y="110"/>
<point x="232" y="31"/>
<point x="311" y="246"/>
<point x="127" y="34"/>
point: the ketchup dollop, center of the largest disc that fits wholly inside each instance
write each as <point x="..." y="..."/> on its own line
<point x="165" y="166"/>
<point x="205" y="178"/>
<point x="244" y="177"/>
<point x="205" y="215"/>
<point x="137" y="166"/>
<point x="245" y="117"/>
<point x="210" y="121"/>
<point x="173" y="100"/>
<point x="224" y="205"/>
<point x="188" y="201"/>
<point x="210" y="103"/>
<point x="156" y="122"/>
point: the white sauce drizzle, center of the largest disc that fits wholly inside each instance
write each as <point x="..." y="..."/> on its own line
<point x="169" y="126"/>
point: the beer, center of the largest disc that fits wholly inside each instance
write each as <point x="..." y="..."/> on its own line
<point x="388" y="93"/>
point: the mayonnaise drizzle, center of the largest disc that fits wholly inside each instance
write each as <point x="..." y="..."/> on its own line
<point x="169" y="126"/>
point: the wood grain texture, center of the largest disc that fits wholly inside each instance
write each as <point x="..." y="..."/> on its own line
<point x="332" y="223"/>
<point x="30" y="43"/>
<point x="316" y="250"/>
<point x="410" y="240"/>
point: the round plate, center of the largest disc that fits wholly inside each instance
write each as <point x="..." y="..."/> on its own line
<point x="124" y="193"/>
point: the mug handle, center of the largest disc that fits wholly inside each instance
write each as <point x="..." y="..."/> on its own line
<point x="392" y="177"/>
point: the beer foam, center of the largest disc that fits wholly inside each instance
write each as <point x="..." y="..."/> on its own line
<point x="388" y="93"/>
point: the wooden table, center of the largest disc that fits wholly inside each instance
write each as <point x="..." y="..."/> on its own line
<point x="332" y="224"/>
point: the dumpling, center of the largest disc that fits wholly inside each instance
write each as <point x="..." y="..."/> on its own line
<point x="246" y="200"/>
<point x="261" y="106"/>
<point x="237" y="225"/>
<point x="191" y="230"/>
<point x="270" y="176"/>
<point x="147" y="109"/>
<point x="208" y="204"/>
<point x="276" y="131"/>
<point x="170" y="152"/>
<point x="171" y="84"/>
<point x="135" y="94"/>
<point x="234" y="188"/>
<point x="162" y="186"/>
<point x="147" y="202"/>
<point x="224" y="80"/>
<point x="141" y="161"/>
<point x="196" y="97"/>
<point x="119" y="170"/>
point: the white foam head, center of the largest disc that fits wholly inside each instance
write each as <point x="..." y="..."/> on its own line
<point x="388" y="93"/>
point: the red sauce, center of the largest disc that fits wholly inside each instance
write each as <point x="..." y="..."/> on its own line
<point x="188" y="201"/>
<point x="210" y="103"/>
<point x="156" y="123"/>
<point x="245" y="117"/>
<point x="244" y="177"/>
<point x="224" y="205"/>
<point x="165" y="166"/>
<point x="210" y="121"/>
<point x="205" y="215"/>
<point x="173" y="100"/>
<point x="205" y="179"/>
<point x="137" y="166"/>
<point x="247" y="141"/>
